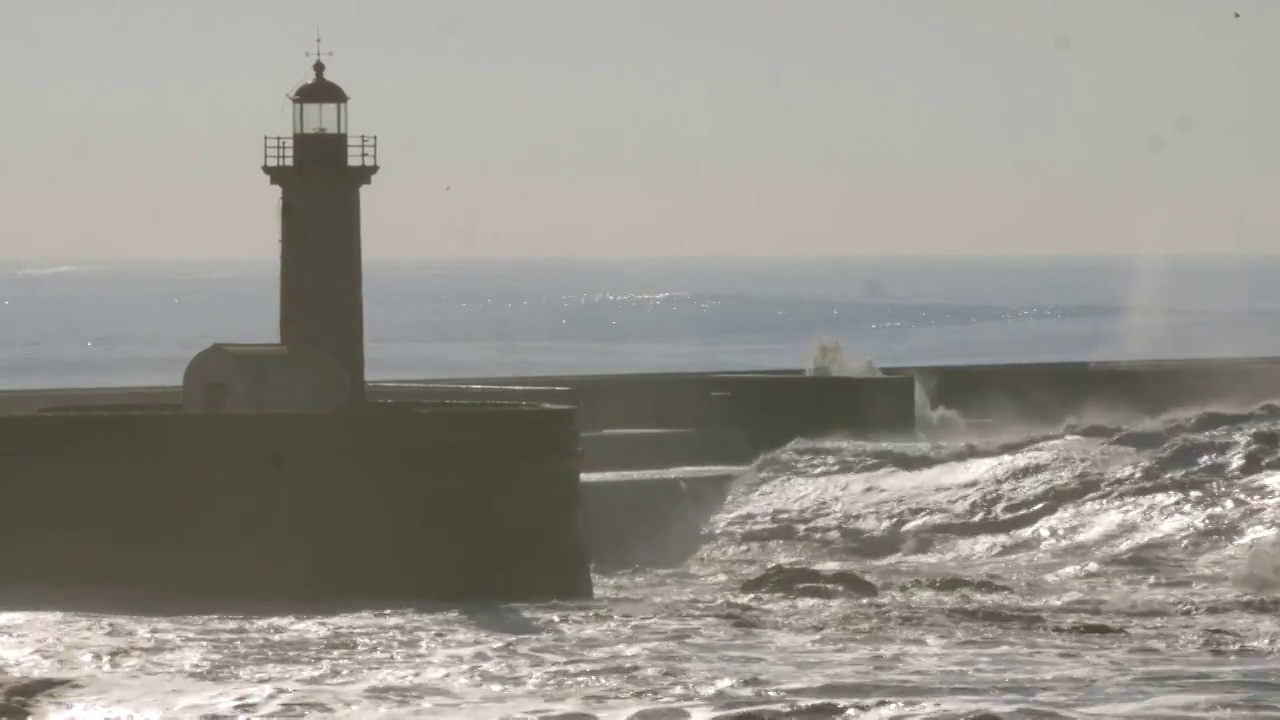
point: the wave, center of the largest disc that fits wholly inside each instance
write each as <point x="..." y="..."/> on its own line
<point x="1174" y="496"/>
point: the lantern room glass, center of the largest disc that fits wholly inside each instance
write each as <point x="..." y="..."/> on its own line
<point x="320" y="118"/>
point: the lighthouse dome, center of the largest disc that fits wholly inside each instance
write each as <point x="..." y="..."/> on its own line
<point x="320" y="89"/>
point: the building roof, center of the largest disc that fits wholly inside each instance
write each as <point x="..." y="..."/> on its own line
<point x="270" y="357"/>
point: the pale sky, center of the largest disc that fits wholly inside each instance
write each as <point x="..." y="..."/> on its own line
<point x="654" y="127"/>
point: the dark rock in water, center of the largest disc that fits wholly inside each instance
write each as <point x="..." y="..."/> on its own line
<point x="1090" y="629"/>
<point x="660" y="714"/>
<point x="781" y="577"/>
<point x="983" y="716"/>
<point x="18" y="695"/>
<point x="789" y="580"/>
<point x="957" y="584"/>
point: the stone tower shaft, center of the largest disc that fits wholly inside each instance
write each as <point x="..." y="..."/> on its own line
<point x="320" y="170"/>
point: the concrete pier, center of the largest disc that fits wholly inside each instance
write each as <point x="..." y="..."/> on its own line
<point x="396" y="502"/>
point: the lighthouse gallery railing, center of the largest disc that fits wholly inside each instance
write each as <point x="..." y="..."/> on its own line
<point x="362" y="151"/>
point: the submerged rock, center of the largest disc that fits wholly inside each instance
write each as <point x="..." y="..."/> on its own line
<point x="660" y="714"/>
<point x="807" y="582"/>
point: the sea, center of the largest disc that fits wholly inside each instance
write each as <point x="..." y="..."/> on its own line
<point x="1098" y="571"/>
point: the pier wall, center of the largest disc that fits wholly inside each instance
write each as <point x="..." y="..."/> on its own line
<point x="1034" y="393"/>
<point x="400" y="502"/>
<point x="1050" y="394"/>
<point x="623" y="402"/>
<point x="1010" y="394"/>
<point x="773" y="410"/>
<point x="750" y="401"/>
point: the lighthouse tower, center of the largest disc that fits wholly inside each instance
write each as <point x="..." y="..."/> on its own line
<point x="320" y="170"/>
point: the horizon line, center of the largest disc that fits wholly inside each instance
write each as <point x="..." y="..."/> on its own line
<point x="669" y="258"/>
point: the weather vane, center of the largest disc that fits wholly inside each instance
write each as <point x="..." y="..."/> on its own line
<point x="317" y="54"/>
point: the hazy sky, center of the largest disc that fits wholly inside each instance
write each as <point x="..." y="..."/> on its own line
<point x="654" y="127"/>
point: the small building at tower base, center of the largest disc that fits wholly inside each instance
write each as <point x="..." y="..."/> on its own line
<point x="263" y="377"/>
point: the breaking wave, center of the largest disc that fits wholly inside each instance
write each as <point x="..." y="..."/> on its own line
<point x="1160" y="537"/>
<point x="1176" y="493"/>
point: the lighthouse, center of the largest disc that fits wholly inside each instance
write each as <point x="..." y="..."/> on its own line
<point x="320" y="170"/>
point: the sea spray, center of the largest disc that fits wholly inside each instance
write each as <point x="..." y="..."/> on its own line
<point x="829" y="359"/>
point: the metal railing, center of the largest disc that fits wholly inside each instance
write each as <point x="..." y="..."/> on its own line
<point x="277" y="152"/>
<point x="362" y="151"/>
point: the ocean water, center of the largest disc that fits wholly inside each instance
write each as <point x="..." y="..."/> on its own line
<point x="88" y="324"/>
<point x="1097" y="571"/>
